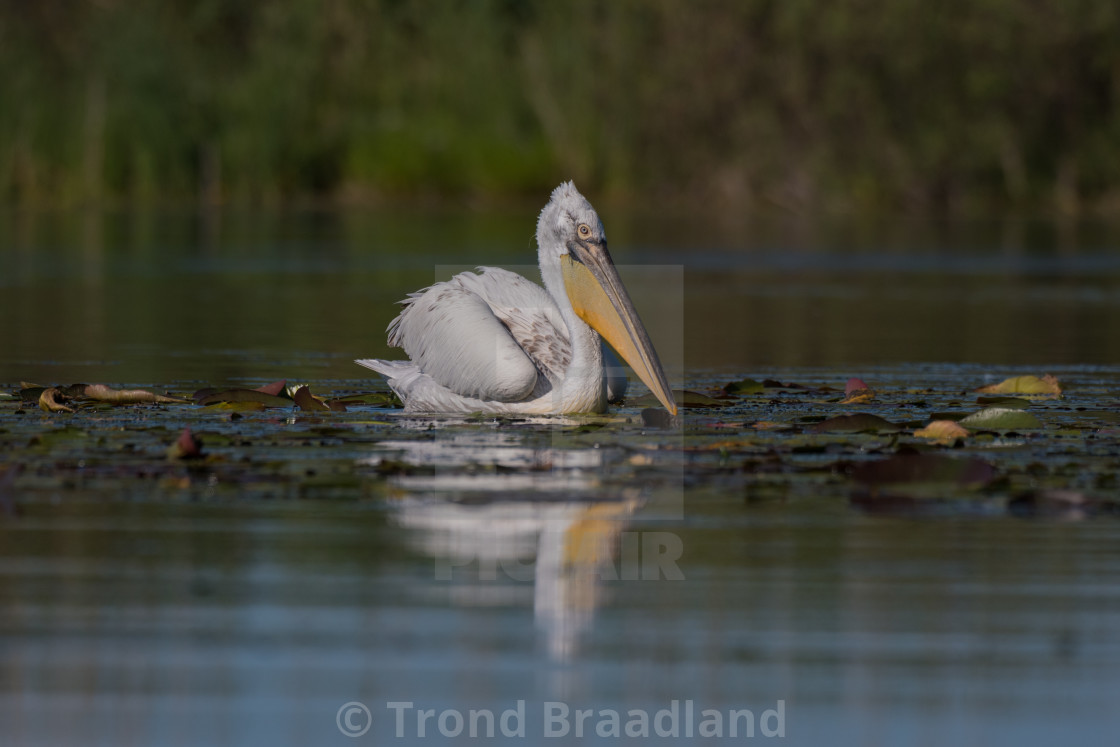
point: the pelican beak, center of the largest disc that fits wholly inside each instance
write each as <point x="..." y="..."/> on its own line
<point x="600" y="299"/>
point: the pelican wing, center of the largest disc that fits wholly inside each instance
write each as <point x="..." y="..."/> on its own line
<point x="528" y="312"/>
<point x="493" y="336"/>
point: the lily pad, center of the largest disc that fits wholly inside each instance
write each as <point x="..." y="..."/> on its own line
<point x="858" y="423"/>
<point x="942" y="431"/>
<point x="1046" y="386"/>
<point x="308" y="402"/>
<point x="743" y="386"/>
<point x="856" y="391"/>
<point x="244" y="395"/>
<point x="102" y="393"/>
<point x="1001" y="419"/>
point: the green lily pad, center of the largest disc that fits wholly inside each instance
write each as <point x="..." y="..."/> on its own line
<point x="1001" y="419"/>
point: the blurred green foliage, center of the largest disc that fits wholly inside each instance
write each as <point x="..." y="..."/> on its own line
<point x="844" y="105"/>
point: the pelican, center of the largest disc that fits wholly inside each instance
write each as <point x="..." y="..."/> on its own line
<point x="491" y="341"/>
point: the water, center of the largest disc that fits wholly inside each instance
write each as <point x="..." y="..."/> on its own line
<point x="527" y="566"/>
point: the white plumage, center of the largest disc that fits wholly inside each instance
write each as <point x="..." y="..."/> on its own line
<point x="493" y="341"/>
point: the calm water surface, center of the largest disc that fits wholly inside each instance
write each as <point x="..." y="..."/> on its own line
<point x="515" y="566"/>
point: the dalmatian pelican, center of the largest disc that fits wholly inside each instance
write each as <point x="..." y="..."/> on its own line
<point x="491" y="341"/>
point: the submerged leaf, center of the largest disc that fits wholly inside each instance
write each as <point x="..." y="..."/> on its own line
<point x="858" y="423"/>
<point x="1046" y="386"/>
<point x="1001" y="419"/>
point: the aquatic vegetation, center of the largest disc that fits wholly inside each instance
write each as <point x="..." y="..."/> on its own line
<point x="905" y="448"/>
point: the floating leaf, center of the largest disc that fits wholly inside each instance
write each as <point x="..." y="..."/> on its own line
<point x="30" y="393"/>
<point x="743" y="386"/>
<point x="307" y="401"/>
<point x="51" y="400"/>
<point x="102" y="393"/>
<point x="276" y="388"/>
<point x="244" y="395"/>
<point x="1047" y="386"/>
<point x="378" y="399"/>
<point x="856" y="392"/>
<point x="1001" y="419"/>
<point x="858" y="423"/>
<point x="942" y="431"/>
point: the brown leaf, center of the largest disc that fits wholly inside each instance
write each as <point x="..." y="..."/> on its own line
<point x="276" y="388"/>
<point x="51" y="400"/>
<point x="102" y="393"/>
<point x="307" y="401"/>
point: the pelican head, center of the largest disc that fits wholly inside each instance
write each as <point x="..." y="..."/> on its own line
<point x="573" y="253"/>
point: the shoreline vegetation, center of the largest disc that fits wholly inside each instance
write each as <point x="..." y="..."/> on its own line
<point x="949" y="109"/>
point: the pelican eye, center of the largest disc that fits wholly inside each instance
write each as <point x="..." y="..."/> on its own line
<point x="584" y="230"/>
